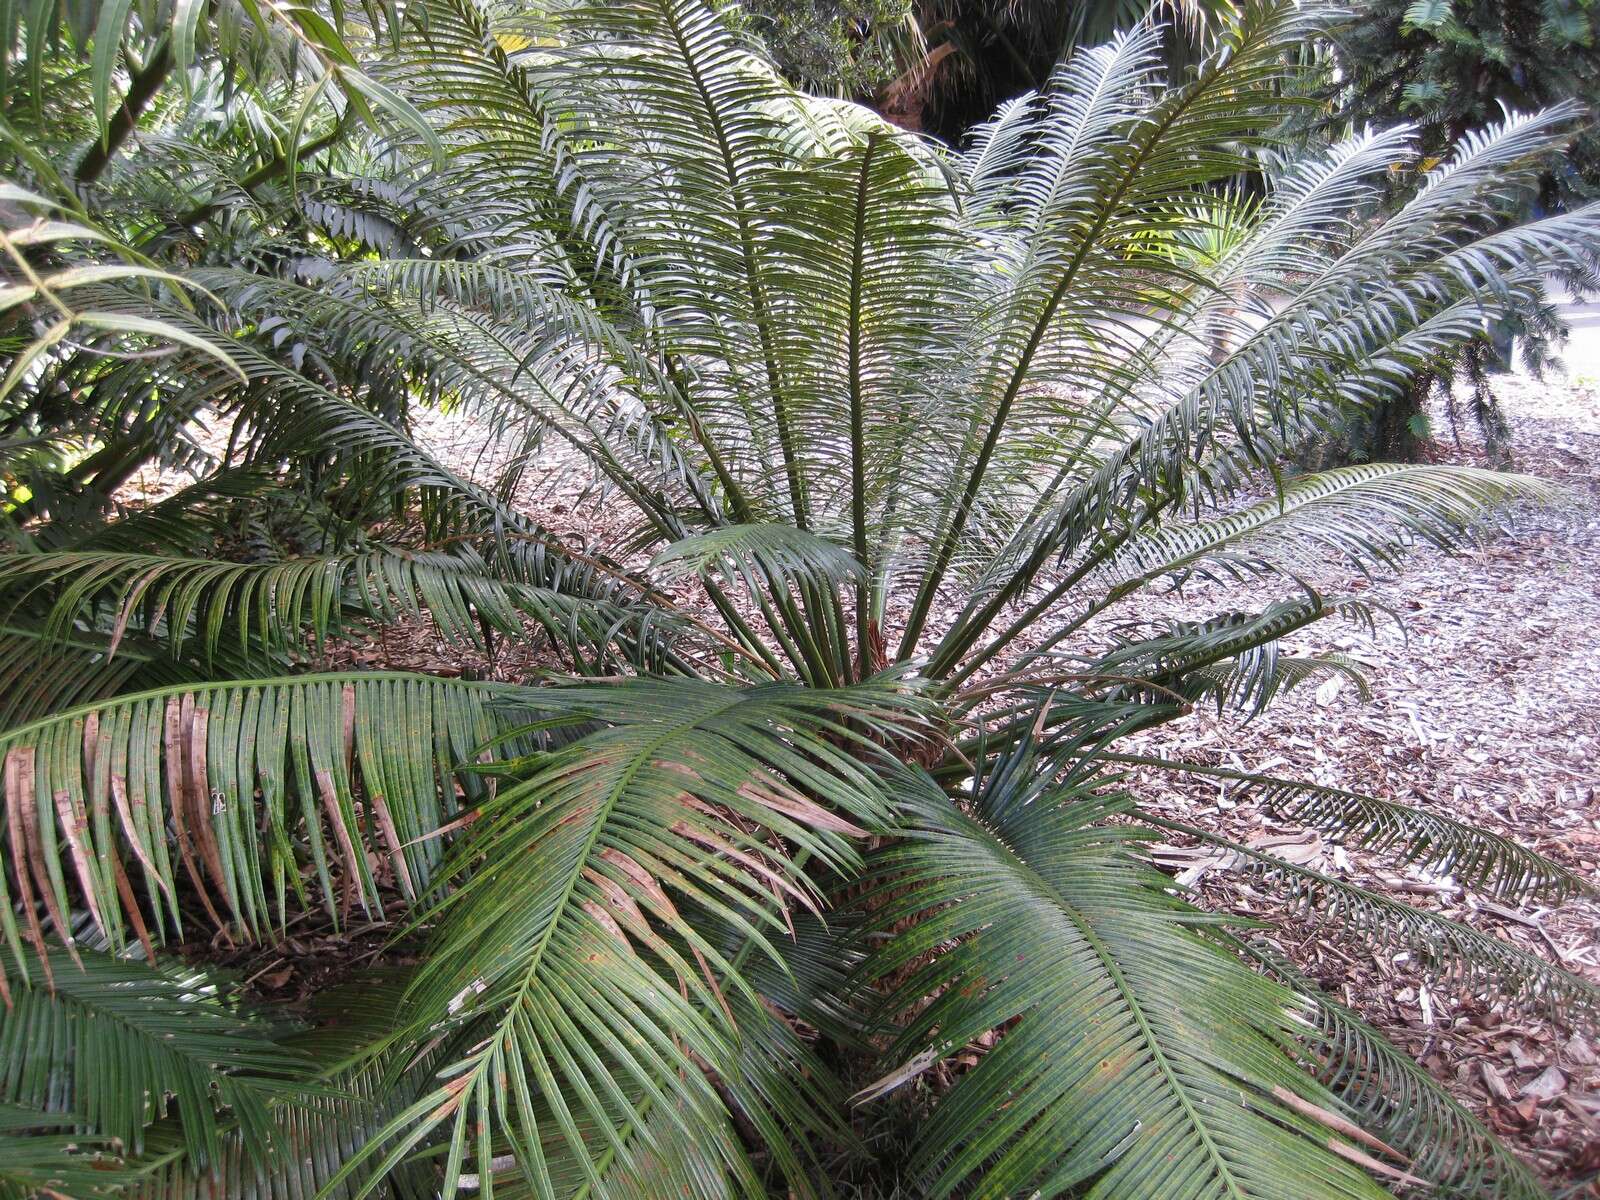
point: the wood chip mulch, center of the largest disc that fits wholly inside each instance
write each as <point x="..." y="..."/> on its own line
<point x="1486" y="709"/>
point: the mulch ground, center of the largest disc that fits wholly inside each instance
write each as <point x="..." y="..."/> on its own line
<point x="1485" y="708"/>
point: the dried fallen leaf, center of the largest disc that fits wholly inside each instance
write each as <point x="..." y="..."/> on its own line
<point x="1546" y="1086"/>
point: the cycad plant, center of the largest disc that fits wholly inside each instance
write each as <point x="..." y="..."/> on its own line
<point x="819" y="794"/>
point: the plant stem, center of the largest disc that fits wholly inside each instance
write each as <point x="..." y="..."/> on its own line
<point x="146" y="81"/>
<point x="269" y="171"/>
<point x="858" y="451"/>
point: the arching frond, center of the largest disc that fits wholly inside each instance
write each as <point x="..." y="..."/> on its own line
<point x="597" y="1029"/>
<point x="1368" y="515"/>
<point x="760" y="556"/>
<point x="295" y="416"/>
<point x="40" y="1152"/>
<point x="284" y="603"/>
<point x="1444" y="947"/>
<point x="897" y="398"/>
<point x="1412" y="835"/>
<point x="235" y="787"/>
<point x="1254" y="680"/>
<point x="1134" y="1057"/>
<point x="41" y="673"/>
<point x="1337" y="344"/>
<point x="57" y="291"/>
<point x="1399" y="1102"/>
<point x="116" y="1045"/>
<point x="189" y="521"/>
<point x="354" y="1083"/>
<point x="1116" y="148"/>
<point x="1184" y="655"/>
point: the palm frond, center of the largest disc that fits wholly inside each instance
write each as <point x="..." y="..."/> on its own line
<point x="815" y="356"/>
<point x="761" y="556"/>
<point x="357" y="1081"/>
<point x="56" y="292"/>
<point x="1116" y="147"/>
<point x="1443" y="947"/>
<point x="1393" y="1098"/>
<point x="1368" y="515"/>
<point x="507" y="346"/>
<point x="1366" y="319"/>
<point x="600" y="1024"/>
<point x="1182" y="655"/>
<point x="1133" y="1056"/>
<point x="118" y="1044"/>
<point x="1476" y="857"/>
<point x="236" y="787"/>
<point x="285" y="604"/>
<point x="190" y="521"/>
<point x="1254" y="680"/>
<point x="62" y="1161"/>
<point x="292" y="416"/>
<point x="44" y="673"/>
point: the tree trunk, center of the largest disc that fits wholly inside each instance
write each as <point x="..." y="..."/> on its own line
<point x="1398" y="421"/>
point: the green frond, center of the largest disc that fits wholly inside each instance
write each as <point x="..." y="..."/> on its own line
<point x="1415" y="836"/>
<point x="812" y="981"/>
<point x="760" y="556"/>
<point x="596" y="1027"/>
<point x="41" y="1153"/>
<point x="287" y="604"/>
<point x="1444" y="948"/>
<point x="1131" y="1056"/>
<point x="1359" y="322"/>
<point x="358" y="1081"/>
<point x="1215" y="227"/>
<point x="1254" y="680"/>
<point x="1114" y="148"/>
<point x="56" y="292"/>
<point x="123" y="41"/>
<point x="997" y="148"/>
<point x="41" y="674"/>
<point x="1425" y="14"/>
<point x="891" y="395"/>
<point x="783" y="1087"/>
<point x="1396" y="1100"/>
<point x="236" y="788"/>
<point x="188" y="522"/>
<point x="1367" y="515"/>
<point x="293" y="416"/>
<point x="513" y="349"/>
<point x="118" y="1044"/>
<point x="1185" y="656"/>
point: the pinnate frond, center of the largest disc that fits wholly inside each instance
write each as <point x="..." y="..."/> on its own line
<point x="231" y="789"/>
<point x="1134" y="1058"/>
<point x="355" y="1081"/>
<point x="761" y="556"/>
<point x="595" y="1027"/>
<point x="1368" y="515"/>
<point x="1408" y="834"/>
<point x="118" y="1044"/>
<point x="289" y="603"/>
<point x="1444" y="948"/>
<point x="41" y="1152"/>
<point x="1395" y="1099"/>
